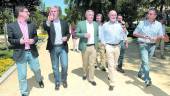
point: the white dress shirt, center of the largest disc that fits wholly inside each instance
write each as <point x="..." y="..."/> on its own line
<point x="90" y="30"/>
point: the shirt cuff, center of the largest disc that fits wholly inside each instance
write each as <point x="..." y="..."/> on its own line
<point x="48" y="23"/>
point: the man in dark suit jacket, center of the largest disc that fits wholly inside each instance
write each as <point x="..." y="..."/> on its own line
<point x="58" y="35"/>
<point x="23" y="37"/>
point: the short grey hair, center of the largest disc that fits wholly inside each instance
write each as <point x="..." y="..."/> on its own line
<point x="87" y="11"/>
<point x="57" y="7"/>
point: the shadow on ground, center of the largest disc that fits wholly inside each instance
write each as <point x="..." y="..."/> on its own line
<point x="154" y="90"/>
<point x="157" y="65"/>
<point x="99" y="74"/>
<point x="32" y="83"/>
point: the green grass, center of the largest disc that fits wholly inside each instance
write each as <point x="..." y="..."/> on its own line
<point x="168" y="29"/>
<point x="6" y="60"/>
<point x="5" y="64"/>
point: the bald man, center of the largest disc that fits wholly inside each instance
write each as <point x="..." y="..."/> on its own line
<point x="87" y="31"/>
<point x="111" y="38"/>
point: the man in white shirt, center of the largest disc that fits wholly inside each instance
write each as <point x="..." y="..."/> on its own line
<point x="87" y="31"/>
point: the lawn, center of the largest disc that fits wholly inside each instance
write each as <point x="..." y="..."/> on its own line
<point x="6" y="60"/>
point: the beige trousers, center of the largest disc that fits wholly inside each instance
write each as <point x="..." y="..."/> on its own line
<point x="89" y="59"/>
<point x="112" y="53"/>
<point x="101" y="56"/>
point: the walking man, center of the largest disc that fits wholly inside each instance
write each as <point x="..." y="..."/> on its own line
<point x="22" y="35"/>
<point x="112" y="32"/>
<point x="148" y="31"/>
<point x="58" y="35"/>
<point x="101" y="54"/>
<point x="87" y="31"/>
<point x="123" y="44"/>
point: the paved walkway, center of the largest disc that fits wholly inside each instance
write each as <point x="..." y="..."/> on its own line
<point x="126" y="84"/>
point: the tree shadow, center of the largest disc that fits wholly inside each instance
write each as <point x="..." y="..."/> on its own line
<point x="78" y="72"/>
<point x="133" y="57"/>
<point x="102" y="76"/>
<point x="154" y="90"/>
<point x="32" y="83"/>
<point x="51" y="77"/>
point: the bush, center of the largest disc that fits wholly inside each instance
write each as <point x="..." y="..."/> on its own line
<point x="168" y="29"/>
<point x="5" y="64"/>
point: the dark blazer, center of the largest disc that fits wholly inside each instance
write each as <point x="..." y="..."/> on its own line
<point x="51" y="34"/>
<point x="14" y="36"/>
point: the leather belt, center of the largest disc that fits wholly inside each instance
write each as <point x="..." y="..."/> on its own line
<point x="147" y="43"/>
<point x="90" y="44"/>
<point x="27" y="50"/>
<point x="113" y="44"/>
<point x="58" y="45"/>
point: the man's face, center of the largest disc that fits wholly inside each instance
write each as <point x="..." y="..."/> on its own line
<point x="120" y="18"/>
<point x="151" y="15"/>
<point x="89" y="16"/>
<point x="54" y="12"/>
<point x="25" y="14"/>
<point x="99" y="18"/>
<point x="112" y="16"/>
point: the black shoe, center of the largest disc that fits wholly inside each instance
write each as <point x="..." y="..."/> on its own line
<point x="163" y="57"/>
<point x="57" y="86"/>
<point x="24" y="95"/>
<point x="41" y="84"/>
<point x="77" y="51"/>
<point x="108" y="78"/>
<point x="95" y="66"/>
<point x="93" y="83"/>
<point x="111" y="88"/>
<point x="103" y="69"/>
<point x="140" y="76"/>
<point x="84" y="77"/>
<point x="120" y="70"/>
<point x="65" y="84"/>
<point x="148" y="83"/>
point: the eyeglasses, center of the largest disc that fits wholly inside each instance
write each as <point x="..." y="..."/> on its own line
<point x="25" y="11"/>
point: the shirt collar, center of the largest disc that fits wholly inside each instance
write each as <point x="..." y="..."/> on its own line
<point x="112" y="22"/>
<point x="56" y="20"/>
<point x="88" y="22"/>
<point x="21" y="22"/>
<point x="151" y="22"/>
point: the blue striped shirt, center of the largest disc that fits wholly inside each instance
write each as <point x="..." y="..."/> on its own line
<point x="112" y="33"/>
<point x="147" y="28"/>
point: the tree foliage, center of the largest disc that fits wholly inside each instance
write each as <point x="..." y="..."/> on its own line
<point x="130" y="9"/>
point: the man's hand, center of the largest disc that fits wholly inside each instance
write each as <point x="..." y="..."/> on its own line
<point x="64" y="39"/>
<point x="147" y="37"/>
<point x="22" y="41"/>
<point x="126" y="44"/>
<point x="87" y="35"/>
<point x="50" y="18"/>
<point x="30" y="41"/>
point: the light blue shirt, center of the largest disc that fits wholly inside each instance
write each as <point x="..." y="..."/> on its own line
<point x="111" y="33"/>
<point x="58" y="37"/>
<point x="146" y="28"/>
<point x="100" y="30"/>
<point x="58" y="33"/>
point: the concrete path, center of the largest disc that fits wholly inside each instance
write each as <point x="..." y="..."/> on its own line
<point x="126" y="84"/>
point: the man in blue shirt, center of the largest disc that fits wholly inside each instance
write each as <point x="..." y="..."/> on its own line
<point x="148" y="31"/>
<point x="111" y="37"/>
